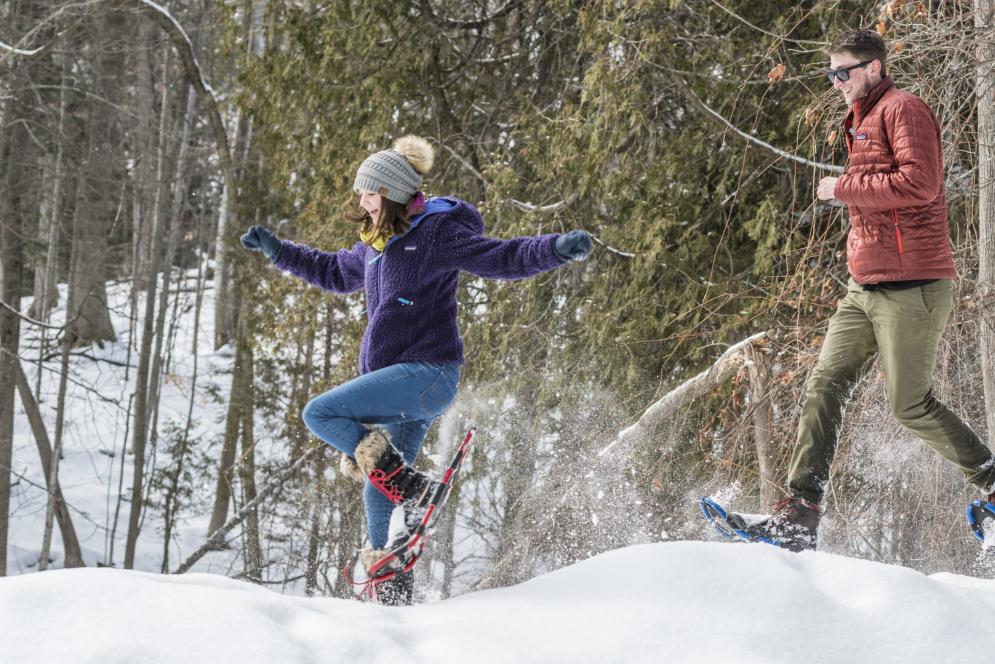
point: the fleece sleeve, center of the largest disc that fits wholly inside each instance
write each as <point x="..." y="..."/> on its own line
<point x="342" y="271"/>
<point x="491" y="258"/>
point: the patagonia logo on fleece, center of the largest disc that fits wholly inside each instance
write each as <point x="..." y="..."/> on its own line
<point x="860" y="137"/>
<point x="410" y="247"/>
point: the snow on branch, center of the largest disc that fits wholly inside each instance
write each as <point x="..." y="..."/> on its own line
<point x="724" y="368"/>
<point x="20" y="51"/>
<point x="55" y="19"/>
<point x="545" y="209"/>
<point x="715" y="115"/>
<point x="168" y="22"/>
<point x="609" y="248"/>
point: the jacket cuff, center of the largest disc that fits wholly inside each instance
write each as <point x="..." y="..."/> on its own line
<point x="556" y="252"/>
<point x="275" y="257"/>
<point x="839" y="191"/>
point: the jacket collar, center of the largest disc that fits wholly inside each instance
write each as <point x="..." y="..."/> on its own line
<point x="432" y="206"/>
<point x="863" y="105"/>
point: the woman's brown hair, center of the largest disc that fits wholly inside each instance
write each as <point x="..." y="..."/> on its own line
<point x="392" y="220"/>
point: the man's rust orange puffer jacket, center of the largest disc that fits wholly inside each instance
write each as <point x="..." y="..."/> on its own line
<point x="894" y="189"/>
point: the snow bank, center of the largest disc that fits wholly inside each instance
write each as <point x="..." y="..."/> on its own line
<point x="678" y="601"/>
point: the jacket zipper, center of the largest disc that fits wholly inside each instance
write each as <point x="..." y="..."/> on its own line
<point x="898" y="233"/>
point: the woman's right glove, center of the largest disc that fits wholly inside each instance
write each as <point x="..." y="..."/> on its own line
<point x="573" y="246"/>
<point x="260" y="238"/>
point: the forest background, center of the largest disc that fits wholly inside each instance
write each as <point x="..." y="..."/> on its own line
<point x="139" y="140"/>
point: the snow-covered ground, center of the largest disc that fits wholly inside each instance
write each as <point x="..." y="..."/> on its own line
<point x="675" y="601"/>
<point x="672" y="602"/>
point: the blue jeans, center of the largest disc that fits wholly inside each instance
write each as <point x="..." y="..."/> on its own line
<point x="403" y="399"/>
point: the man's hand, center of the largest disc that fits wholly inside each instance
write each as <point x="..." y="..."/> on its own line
<point x="827" y="189"/>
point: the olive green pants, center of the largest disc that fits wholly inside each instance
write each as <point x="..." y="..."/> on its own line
<point x="904" y="326"/>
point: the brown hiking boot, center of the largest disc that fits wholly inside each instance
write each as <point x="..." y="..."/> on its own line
<point x="793" y="525"/>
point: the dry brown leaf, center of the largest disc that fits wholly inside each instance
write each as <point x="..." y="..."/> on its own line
<point x="777" y="73"/>
<point x="811" y="117"/>
<point x="882" y="28"/>
<point x="900" y="46"/>
<point x="833" y="135"/>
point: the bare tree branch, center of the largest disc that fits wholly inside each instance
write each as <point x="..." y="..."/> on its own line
<point x="476" y="24"/>
<point x="752" y="139"/>
<point x="26" y="319"/>
<point x="805" y="42"/>
<point x="217" y="537"/>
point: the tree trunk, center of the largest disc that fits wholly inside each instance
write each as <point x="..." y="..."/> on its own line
<point x="145" y="185"/>
<point x="74" y="556"/>
<point x="52" y="478"/>
<point x="10" y="292"/>
<point x="163" y="196"/>
<point x="986" y="204"/>
<point x="222" y="494"/>
<point x="318" y="491"/>
<point x="142" y="377"/>
<point x="19" y="161"/>
<point x="247" y="469"/>
<point x="760" y="405"/>
<point x="94" y="201"/>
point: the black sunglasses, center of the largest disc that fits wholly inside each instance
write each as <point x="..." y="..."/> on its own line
<point x="843" y="73"/>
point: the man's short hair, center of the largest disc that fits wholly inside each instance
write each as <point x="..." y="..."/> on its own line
<point x="862" y="44"/>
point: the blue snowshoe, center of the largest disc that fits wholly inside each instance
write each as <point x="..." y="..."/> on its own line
<point x="978" y="513"/>
<point x="792" y="525"/>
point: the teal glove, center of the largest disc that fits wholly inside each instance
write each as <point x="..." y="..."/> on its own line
<point x="260" y="238"/>
<point x="573" y="246"/>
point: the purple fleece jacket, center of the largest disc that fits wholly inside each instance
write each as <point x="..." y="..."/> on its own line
<point x="411" y="286"/>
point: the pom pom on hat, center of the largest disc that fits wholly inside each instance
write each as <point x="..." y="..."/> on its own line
<point x="396" y="173"/>
<point x="417" y="151"/>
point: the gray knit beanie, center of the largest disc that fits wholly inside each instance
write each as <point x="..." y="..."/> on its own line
<point x="396" y="173"/>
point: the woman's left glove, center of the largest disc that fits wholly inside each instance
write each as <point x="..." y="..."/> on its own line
<point x="573" y="246"/>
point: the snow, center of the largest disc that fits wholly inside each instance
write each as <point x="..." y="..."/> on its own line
<point x="677" y="601"/>
<point x="988" y="527"/>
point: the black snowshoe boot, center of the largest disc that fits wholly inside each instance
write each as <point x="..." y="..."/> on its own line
<point x="400" y="483"/>
<point x="793" y="525"/>
<point x="396" y="591"/>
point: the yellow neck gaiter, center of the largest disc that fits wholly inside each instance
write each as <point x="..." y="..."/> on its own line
<point x="378" y="242"/>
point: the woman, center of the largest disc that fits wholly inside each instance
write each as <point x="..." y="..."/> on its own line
<point x="408" y="260"/>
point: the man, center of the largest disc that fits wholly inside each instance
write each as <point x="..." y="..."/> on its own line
<point x="899" y="295"/>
